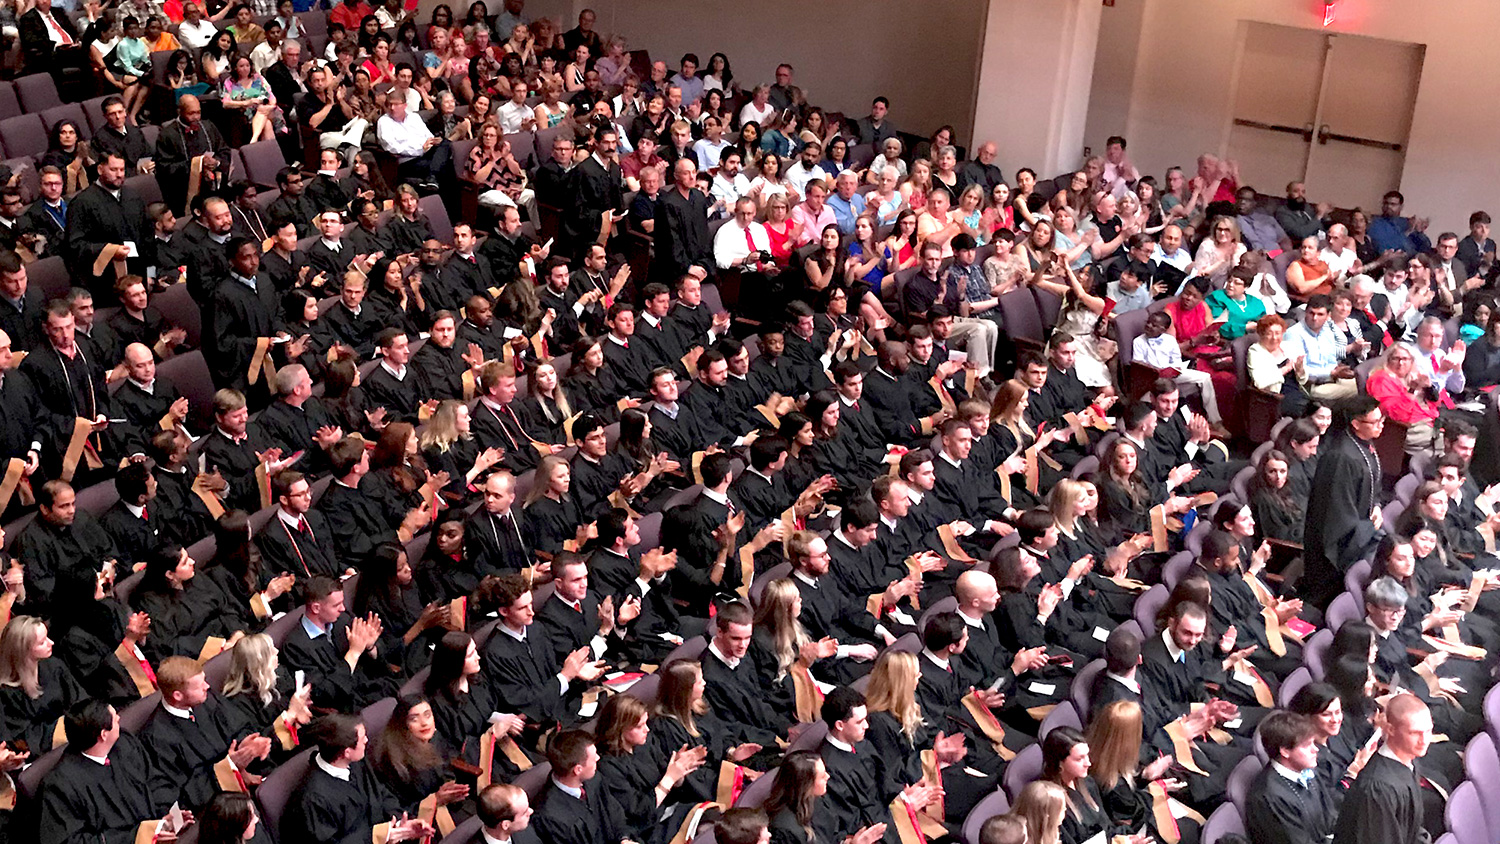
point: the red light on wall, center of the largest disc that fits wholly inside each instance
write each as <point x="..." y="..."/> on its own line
<point x="1330" y="11"/>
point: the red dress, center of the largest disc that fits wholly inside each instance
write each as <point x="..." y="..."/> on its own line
<point x="781" y="242"/>
<point x="1189" y="324"/>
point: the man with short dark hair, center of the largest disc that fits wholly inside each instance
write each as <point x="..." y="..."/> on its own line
<point x="596" y="190"/>
<point x="358" y="520"/>
<point x="246" y="316"/>
<point x="342" y="798"/>
<point x="293" y="204"/>
<point x="101" y="787"/>
<point x="522" y="664"/>
<point x="58" y="539"/>
<point x="732" y="689"/>
<point x="70" y="381"/>
<point x="875" y="128"/>
<point x="297" y="540"/>
<point x="105" y="217"/>
<point x="393" y="385"/>
<point x="570" y="810"/>
<point x="1286" y="804"/>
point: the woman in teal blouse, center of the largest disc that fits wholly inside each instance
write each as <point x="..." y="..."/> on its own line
<point x="1239" y="309"/>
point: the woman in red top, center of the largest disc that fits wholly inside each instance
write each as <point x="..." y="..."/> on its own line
<point x="1198" y="334"/>
<point x="901" y="246"/>
<point x="779" y="229"/>
<point x="379" y="63"/>
<point x="1402" y="395"/>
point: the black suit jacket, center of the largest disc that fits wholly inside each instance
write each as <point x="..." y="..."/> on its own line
<point x="36" y="42"/>
<point x="1279" y="811"/>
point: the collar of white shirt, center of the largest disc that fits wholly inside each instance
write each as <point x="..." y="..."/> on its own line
<point x="713" y="648"/>
<point x="332" y="770"/>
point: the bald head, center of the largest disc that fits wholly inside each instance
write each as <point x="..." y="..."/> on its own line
<point x="976" y="592"/>
<point x="140" y="363"/>
<point x="1409" y="727"/>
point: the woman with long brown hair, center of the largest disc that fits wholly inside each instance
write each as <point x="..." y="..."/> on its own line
<point x="1066" y="762"/>
<point x="550" y="511"/>
<point x="638" y="780"/>
<point x="408" y="761"/>
<point x="35" y="689"/>
<point x="398" y="476"/>
<point x="681" y="718"/>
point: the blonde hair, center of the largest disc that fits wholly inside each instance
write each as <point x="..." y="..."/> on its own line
<point x="1041" y="805"/>
<point x="17" y="667"/>
<point x="1114" y="740"/>
<point x="775" y="616"/>
<point x="893" y="690"/>
<point x="441" y="431"/>
<point x="1063" y="502"/>
<point x="543" y="478"/>
<point x="564" y="408"/>
<point x="252" y="668"/>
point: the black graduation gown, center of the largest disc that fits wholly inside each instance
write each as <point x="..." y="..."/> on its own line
<point x="334" y="685"/>
<point x="628" y="782"/>
<point x="23" y="718"/>
<point x="355" y="330"/>
<point x="1086" y="816"/>
<point x="96" y="219"/>
<point x="688" y="530"/>
<point x="356" y="522"/>
<point x="135" y="538"/>
<point x="82" y="800"/>
<point x="738" y="697"/>
<point x="288" y="550"/>
<point x="593" y="482"/>
<point x="494" y="546"/>
<point x="1383" y="807"/>
<point x="143" y="411"/>
<point x="185" y="518"/>
<point x="328" y="810"/>
<point x="524" y="674"/>
<point x="291" y="429"/>
<point x="183" y="619"/>
<point x="186" y="750"/>
<point x="681" y="232"/>
<point x="1346" y="480"/>
<point x="852" y="801"/>
<point x="1279" y="811"/>
<point x="440" y="371"/>
<point x="501" y="427"/>
<point x="551" y="522"/>
<point x="87" y="638"/>
<point x="241" y="316"/>
<point x="457" y="460"/>
<point x="785" y="829"/>
<point x="69" y="388"/>
<point x="561" y="818"/>
<point x="399" y="396"/>
<point x="443" y="577"/>
<point x="44" y="550"/>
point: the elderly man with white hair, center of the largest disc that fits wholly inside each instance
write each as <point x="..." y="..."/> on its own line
<point x="1339" y="255"/>
<point x="846" y="201"/>
<point x="1443" y="367"/>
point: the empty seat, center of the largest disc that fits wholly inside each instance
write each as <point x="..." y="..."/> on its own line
<point x="10" y="105"/>
<point x="23" y="135"/>
<point x="262" y="161"/>
<point x="145" y="186"/>
<point x="50" y="275"/>
<point x="189" y="372"/>
<point x="180" y="310"/>
<point x="437" y="217"/>
<point x="37" y="92"/>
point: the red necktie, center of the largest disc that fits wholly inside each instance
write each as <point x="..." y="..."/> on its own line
<point x="303" y="527"/>
<point x="578" y="608"/>
<point x="150" y="675"/>
<point x="67" y="40"/>
<point x="144" y="517"/>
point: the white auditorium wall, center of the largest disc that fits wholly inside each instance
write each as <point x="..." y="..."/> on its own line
<point x="922" y="56"/>
<point x="1164" y="70"/>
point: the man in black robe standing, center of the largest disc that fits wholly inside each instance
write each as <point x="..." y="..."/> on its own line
<point x="595" y="187"/>
<point x="105" y="216"/>
<point x="681" y="231"/>
<point x="182" y="140"/>
<point x="244" y="312"/>
<point x="1385" y="804"/>
<point x="71" y="386"/>
<point x="1343" y="517"/>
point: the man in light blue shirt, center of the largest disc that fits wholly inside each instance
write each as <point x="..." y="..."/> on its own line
<point x="687" y="79"/>
<point x="1323" y="350"/>
<point x="846" y="201"/>
<point x="1259" y="229"/>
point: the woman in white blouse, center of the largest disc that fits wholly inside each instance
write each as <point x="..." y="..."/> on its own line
<point x="1268" y="363"/>
<point x="1220" y="251"/>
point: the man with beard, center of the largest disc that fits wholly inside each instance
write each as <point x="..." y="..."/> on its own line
<point x="1298" y="217"/>
<point x="185" y="145"/>
<point x="105" y="221"/>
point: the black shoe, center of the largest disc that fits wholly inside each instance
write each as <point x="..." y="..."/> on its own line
<point x="428" y="187"/>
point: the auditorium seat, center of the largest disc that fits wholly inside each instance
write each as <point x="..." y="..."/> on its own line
<point x="1224" y="821"/>
<point x="134" y="716"/>
<point x="1021" y="320"/>
<point x="1148" y="605"/>
<point x="1062" y="715"/>
<point x="437" y="217"/>
<point x="1315" y="650"/>
<point x="1344" y="608"/>
<point x="758" y="586"/>
<point x="534" y="780"/>
<point x="145" y="186"/>
<point x="10" y="105"/>
<point x="1082" y="690"/>
<point x="1237" y="786"/>
<point x="1293" y="684"/>
<point x="262" y="161"/>
<point x="189" y="373"/>
<point x="1465" y="816"/>
<point x="996" y="803"/>
<point x="522" y="147"/>
<point x="93" y="112"/>
<point x="948" y="604"/>
<point x="275" y="792"/>
<point x="1482" y="766"/>
<point x="177" y="305"/>
<point x="282" y="627"/>
<point x="23" y="135"/>
<point x="97" y="498"/>
<point x="37" y="92"/>
<point x="1021" y="770"/>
